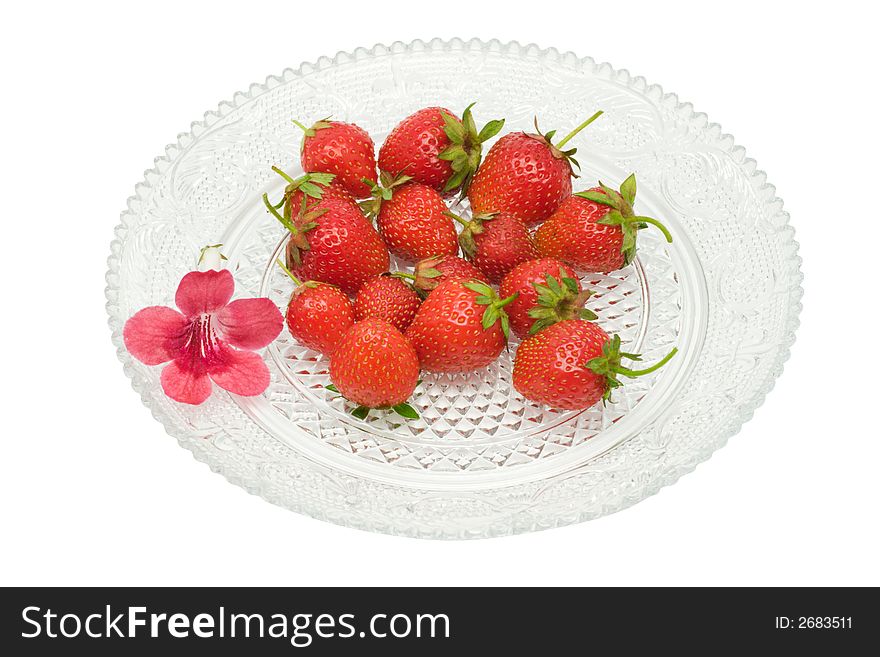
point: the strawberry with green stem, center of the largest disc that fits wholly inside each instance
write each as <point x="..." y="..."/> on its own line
<point x="430" y="272"/>
<point x="573" y="365"/>
<point x="311" y="187"/>
<point x="495" y="243"/>
<point x="412" y="221"/>
<point x="389" y="298"/>
<point x="549" y="292"/>
<point x="596" y="230"/>
<point x="343" y="149"/>
<point x="318" y="315"/>
<point x="526" y="174"/>
<point x="436" y="148"/>
<point x="375" y="366"/>
<point x="460" y="327"/>
<point x="332" y="242"/>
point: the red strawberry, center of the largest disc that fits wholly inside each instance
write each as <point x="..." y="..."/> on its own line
<point x="526" y="175"/>
<point x="332" y="242"/>
<point x="312" y="187"/>
<point x="572" y="365"/>
<point x="596" y="230"/>
<point x="549" y="292"/>
<point x="389" y="298"/>
<point x="318" y="314"/>
<point x="496" y="243"/>
<point x="460" y="327"/>
<point x="414" y="224"/>
<point x="375" y="366"/>
<point x="430" y="272"/>
<point x="340" y="148"/>
<point x="436" y="148"/>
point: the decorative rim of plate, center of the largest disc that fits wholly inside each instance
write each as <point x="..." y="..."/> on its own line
<point x="723" y="140"/>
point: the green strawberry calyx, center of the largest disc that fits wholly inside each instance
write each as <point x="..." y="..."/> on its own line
<point x="470" y="228"/>
<point x="381" y="191"/>
<point x="556" y="149"/>
<point x="310" y="184"/>
<point x="494" y="306"/>
<point x="465" y="150"/>
<point x="361" y="412"/>
<point x="609" y="366"/>
<point x="424" y="278"/>
<point x="310" y="132"/>
<point x="622" y="214"/>
<point x="298" y="242"/>
<point x="559" y="299"/>
<point x="413" y="281"/>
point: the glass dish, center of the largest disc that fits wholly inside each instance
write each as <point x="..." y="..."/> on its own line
<point x="481" y="461"/>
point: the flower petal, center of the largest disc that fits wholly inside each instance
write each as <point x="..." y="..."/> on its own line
<point x="240" y="372"/>
<point x="185" y="384"/>
<point x="154" y="335"/>
<point x="250" y="323"/>
<point x="204" y="291"/>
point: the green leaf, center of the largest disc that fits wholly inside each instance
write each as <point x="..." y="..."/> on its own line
<point x="332" y="388"/>
<point x="322" y="178"/>
<point x="455" y="137"/>
<point x="491" y="129"/>
<point x="597" y="197"/>
<point x="405" y="410"/>
<point x="453" y="128"/>
<point x="537" y="312"/>
<point x="491" y="316"/>
<point x="430" y="273"/>
<point x="478" y="287"/>
<point x="310" y="189"/>
<point x="613" y="218"/>
<point x="467" y="119"/>
<point x="540" y="325"/>
<point x="571" y="284"/>
<point x="628" y="189"/>
<point x="456" y="180"/>
<point x="505" y="325"/>
<point x="361" y="412"/>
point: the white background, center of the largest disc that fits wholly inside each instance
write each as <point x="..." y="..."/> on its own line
<point x="94" y="492"/>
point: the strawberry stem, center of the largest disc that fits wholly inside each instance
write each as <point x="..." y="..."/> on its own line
<point x="574" y="132"/>
<point x="464" y="222"/>
<point x="403" y="274"/>
<point x="608" y="365"/>
<point x="653" y="222"/>
<point x="504" y="302"/>
<point x="284" y="220"/>
<point x="625" y="371"/>
<point x="283" y="175"/>
<point x="289" y="273"/>
<point x="300" y="125"/>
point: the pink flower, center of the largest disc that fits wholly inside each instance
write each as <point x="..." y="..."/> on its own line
<point x="210" y="339"/>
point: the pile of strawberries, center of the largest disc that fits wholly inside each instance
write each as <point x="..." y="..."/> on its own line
<point x="528" y="238"/>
